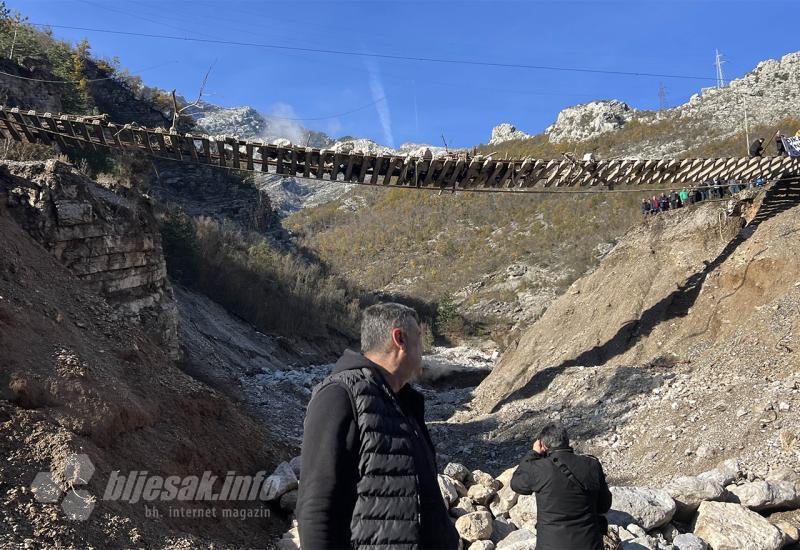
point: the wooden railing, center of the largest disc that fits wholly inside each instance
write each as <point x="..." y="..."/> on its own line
<point x="452" y="172"/>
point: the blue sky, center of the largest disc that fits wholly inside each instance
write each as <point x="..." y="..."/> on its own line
<point x="427" y="100"/>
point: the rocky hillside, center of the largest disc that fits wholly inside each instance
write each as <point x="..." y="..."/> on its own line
<point x="676" y="352"/>
<point x="109" y="241"/>
<point x="770" y="93"/>
<point x="76" y="378"/>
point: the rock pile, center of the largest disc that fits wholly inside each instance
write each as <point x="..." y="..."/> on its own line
<point x="720" y="509"/>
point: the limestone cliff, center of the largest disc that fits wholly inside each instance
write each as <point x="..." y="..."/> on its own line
<point x="110" y="241"/>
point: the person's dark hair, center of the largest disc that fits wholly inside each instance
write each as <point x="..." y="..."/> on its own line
<point x="379" y="320"/>
<point x="554" y="435"/>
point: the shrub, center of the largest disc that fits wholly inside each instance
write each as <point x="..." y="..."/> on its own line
<point x="276" y="291"/>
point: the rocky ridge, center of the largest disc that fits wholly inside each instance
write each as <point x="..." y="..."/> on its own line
<point x="589" y="120"/>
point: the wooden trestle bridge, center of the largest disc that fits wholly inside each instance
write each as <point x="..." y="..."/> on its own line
<point x="455" y="171"/>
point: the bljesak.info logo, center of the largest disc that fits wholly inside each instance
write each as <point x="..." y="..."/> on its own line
<point x="138" y="486"/>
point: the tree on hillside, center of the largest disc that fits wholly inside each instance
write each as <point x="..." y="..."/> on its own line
<point x="78" y="61"/>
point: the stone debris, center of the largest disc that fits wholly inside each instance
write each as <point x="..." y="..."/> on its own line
<point x="475" y="526"/>
<point x="731" y="526"/>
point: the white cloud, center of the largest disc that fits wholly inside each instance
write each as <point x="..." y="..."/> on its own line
<point x="281" y="126"/>
<point x="382" y="105"/>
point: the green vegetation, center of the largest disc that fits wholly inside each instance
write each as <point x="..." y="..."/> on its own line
<point x="428" y="246"/>
<point x="278" y="292"/>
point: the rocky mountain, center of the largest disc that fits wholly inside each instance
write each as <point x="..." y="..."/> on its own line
<point x="247" y="123"/>
<point x="506" y="132"/>
<point x="769" y="93"/>
<point x="589" y="120"/>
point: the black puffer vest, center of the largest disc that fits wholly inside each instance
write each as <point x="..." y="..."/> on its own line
<point x="387" y="509"/>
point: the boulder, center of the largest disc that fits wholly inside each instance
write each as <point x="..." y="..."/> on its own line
<point x="638" y="543"/>
<point x="636" y="531"/>
<point x="456" y="471"/>
<point x="726" y="472"/>
<point x="688" y="541"/>
<point x="765" y="495"/>
<point x="481" y="545"/>
<point x="790" y="532"/>
<point x="521" y="539"/>
<point x="669" y="532"/>
<point x="481" y="494"/>
<point x="482" y="478"/>
<point x="449" y="493"/>
<point x="460" y="487"/>
<point x="290" y="539"/>
<point x="503" y="501"/>
<point x="648" y="508"/>
<point x="296" y="464"/>
<point x="523" y="515"/>
<point x="475" y="526"/>
<point x="730" y="526"/>
<point x="621" y="532"/>
<point x="462" y="507"/>
<point x="688" y="492"/>
<point x="501" y="529"/>
<point x="505" y="477"/>
<point x="279" y="483"/>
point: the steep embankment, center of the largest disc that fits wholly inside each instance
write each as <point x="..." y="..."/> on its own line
<point x="677" y="351"/>
<point x="78" y="377"/>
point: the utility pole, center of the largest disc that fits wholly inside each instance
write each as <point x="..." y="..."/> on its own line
<point x="662" y="97"/>
<point x="718" y="63"/>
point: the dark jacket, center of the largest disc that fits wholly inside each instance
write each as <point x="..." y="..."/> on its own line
<point x="757" y="148"/>
<point x="569" y="517"/>
<point x="369" y="467"/>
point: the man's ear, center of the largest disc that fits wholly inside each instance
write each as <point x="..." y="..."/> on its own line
<point x="398" y="338"/>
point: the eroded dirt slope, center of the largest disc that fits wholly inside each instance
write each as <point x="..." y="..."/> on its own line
<point x="75" y="378"/>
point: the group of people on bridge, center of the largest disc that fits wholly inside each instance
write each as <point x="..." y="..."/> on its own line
<point x="716" y="188"/>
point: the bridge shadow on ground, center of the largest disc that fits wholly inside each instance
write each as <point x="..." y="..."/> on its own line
<point x="782" y="196"/>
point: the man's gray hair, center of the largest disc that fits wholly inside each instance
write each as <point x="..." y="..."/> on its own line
<point x="554" y="435"/>
<point x="379" y="320"/>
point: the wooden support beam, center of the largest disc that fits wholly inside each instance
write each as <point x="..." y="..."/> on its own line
<point x="220" y="143"/>
<point x="293" y="165"/>
<point x="348" y="169"/>
<point x="206" y="144"/>
<point x="53" y="127"/>
<point x="176" y="141"/>
<point x="67" y="125"/>
<point x="100" y="131"/>
<point x="40" y="130"/>
<point x="307" y="163"/>
<point x="190" y="139"/>
<point x="325" y="153"/>
<point x="23" y="125"/>
<point x="235" y="153"/>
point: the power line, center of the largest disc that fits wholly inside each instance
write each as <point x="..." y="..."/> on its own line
<point x="496" y="64"/>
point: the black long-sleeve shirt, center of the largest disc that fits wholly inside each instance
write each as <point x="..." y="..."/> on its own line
<point x="569" y="511"/>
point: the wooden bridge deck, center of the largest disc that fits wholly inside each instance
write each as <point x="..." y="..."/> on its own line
<point x="451" y="172"/>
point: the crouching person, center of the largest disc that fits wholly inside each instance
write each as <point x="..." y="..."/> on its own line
<point x="571" y="493"/>
<point x="369" y="465"/>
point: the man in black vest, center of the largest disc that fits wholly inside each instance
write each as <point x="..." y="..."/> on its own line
<point x="368" y="462"/>
<point x="571" y="493"/>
